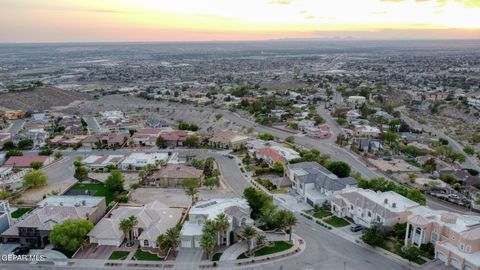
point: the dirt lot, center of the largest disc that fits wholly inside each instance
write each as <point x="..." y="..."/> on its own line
<point x="34" y="195"/>
<point x="174" y="197"/>
<point x="395" y="165"/>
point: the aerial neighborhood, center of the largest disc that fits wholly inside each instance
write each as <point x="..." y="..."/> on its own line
<point x="279" y="161"/>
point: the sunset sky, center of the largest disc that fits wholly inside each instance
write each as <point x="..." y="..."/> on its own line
<point x="201" y="20"/>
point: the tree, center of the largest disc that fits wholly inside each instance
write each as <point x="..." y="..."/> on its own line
<point x="266" y="137"/>
<point x="411" y="177"/>
<point x="58" y="155"/>
<point x="398" y="230"/>
<point x="192" y="141"/>
<point x="373" y="236"/>
<point x="70" y="234"/>
<point x="221" y="225"/>
<point x="390" y="137"/>
<point x="256" y="200"/>
<point x="429" y="166"/>
<point x="161" y="143"/>
<point x="13" y="153"/>
<point x="36" y="165"/>
<point x="278" y="167"/>
<point x="290" y="139"/>
<point x="25" y="144"/>
<point x="170" y="239"/>
<point x="289" y="220"/>
<point x="125" y="226"/>
<point x="411" y="253"/>
<point x="208" y="166"/>
<point x="45" y="151"/>
<point x="248" y="234"/>
<point x="115" y="181"/>
<point x="341" y="121"/>
<point x="81" y="174"/>
<point x="293" y="125"/>
<point x="339" y="168"/>
<point x="211" y="182"/>
<point x="449" y="178"/>
<point x="469" y="150"/>
<point x="457" y="156"/>
<point x="318" y="119"/>
<point x="207" y="243"/>
<point x="34" y="178"/>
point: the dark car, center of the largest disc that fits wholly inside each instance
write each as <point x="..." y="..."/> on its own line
<point x="356" y="228"/>
<point x="21" y="251"/>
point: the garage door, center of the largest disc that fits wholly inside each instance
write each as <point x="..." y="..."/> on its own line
<point x="186" y="244"/>
<point x="455" y="263"/>
<point x="197" y="243"/>
<point x="441" y="257"/>
<point x="468" y="267"/>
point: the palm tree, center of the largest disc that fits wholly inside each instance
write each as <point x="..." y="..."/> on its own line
<point x="172" y="236"/>
<point x="133" y="222"/>
<point x="289" y="221"/>
<point x="125" y="226"/>
<point x="192" y="192"/>
<point x="208" y="242"/>
<point x="248" y="234"/>
<point x="162" y="243"/>
<point x="221" y="224"/>
<point x="261" y="239"/>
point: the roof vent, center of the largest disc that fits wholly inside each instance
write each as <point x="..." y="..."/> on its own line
<point x="385" y="201"/>
<point x="394" y="205"/>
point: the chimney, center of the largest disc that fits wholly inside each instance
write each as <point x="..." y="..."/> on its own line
<point x="385" y="201"/>
<point x="394" y="205"/>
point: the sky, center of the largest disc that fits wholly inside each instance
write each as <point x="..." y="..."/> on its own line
<point x="206" y="20"/>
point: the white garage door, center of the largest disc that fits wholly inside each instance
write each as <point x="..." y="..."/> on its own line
<point x="186" y="244"/>
<point x="109" y="242"/>
<point x="441" y="257"/>
<point x="455" y="264"/>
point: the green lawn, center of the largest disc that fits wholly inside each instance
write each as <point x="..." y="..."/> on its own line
<point x="394" y="246"/>
<point x="119" y="255"/>
<point x="322" y="213"/>
<point x="216" y="256"/>
<point x="337" y="222"/>
<point x="20" y="212"/>
<point x="146" y="256"/>
<point x="100" y="190"/>
<point x="277" y="247"/>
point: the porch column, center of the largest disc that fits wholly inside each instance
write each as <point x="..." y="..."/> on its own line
<point x="407" y="232"/>
<point x="421" y="237"/>
<point x="413" y="235"/>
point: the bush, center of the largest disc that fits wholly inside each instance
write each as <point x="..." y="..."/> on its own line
<point x="265" y="137"/>
<point x="266" y="183"/>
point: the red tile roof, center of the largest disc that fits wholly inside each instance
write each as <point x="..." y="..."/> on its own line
<point x="24" y="161"/>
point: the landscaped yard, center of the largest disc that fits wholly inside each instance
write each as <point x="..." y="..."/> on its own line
<point x="146" y="256"/>
<point x="337" y="222"/>
<point x="20" y="212"/>
<point x="278" y="246"/>
<point x="119" y="255"/>
<point x="216" y="256"/>
<point x="395" y="246"/>
<point x="322" y="213"/>
<point x="100" y="190"/>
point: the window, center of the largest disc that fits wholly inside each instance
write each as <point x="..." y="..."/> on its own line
<point x="369" y="214"/>
<point x="378" y="218"/>
<point x="145" y="243"/>
<point x="351" y="206"/>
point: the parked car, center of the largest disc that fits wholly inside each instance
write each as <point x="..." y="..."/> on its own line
<point x="21" y="250"/>
<point x="453" y="196"/>
<point x="356" y="228"/>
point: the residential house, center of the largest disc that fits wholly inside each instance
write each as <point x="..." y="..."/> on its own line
<point x="356" y="100"/>
<point x="276" y="153"/>
<point x="145" y="137"/>
<point x="318" y="132"/>
<point x="352" y="115"/>
<point x="174" y="138"/>
<point x="173" y="175"/>
<point x="14" y="115"/>
<point x="35" y="227"/>
<point x="105" y="140"/>
<point x="26" y="161"/>
<point x="366" y="131"/>
<point x="238" y="214"/>
<point x="367" y="207"/>
<point x="314" y="183"/>
<point x="100" y="162"/>
<point x="153" y="219"/>
<point x="137" y="161"/>
<point x="462" y="176"/>
<point x="156" y="123"/>
<point x="227" y="140"/>
<point x="369" y="145"/>
<point x="4" y="137"/>
<point x="456" y="237"/>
